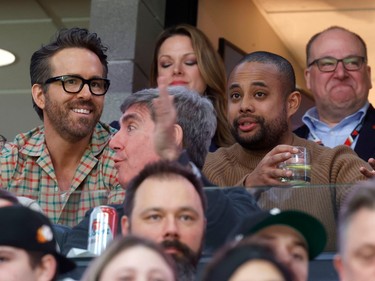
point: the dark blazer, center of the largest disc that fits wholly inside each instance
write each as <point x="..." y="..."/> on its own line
<point x="365" y="147"/>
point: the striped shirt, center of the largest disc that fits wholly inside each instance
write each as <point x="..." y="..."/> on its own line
<point x="26" y="169"/>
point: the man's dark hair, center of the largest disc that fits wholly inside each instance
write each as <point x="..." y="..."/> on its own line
<point x="40" y="68"/>
<point x="314" y="37"/>
<point x="35" y="260"/>
<point x="161" y="170"/>
<point x="283" y="65"/>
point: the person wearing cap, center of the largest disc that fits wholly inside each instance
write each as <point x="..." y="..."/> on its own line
<point x="295" y="236"/>
<point x="28" y="247"/>
<point x="356" y="231"/>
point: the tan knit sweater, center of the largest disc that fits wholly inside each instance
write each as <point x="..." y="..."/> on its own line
<point x="332" y="172"/>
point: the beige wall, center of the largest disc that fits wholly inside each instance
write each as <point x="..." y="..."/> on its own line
<point x="231" y="18"/>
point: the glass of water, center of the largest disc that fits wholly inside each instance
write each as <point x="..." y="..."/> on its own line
<point x="299" y="164"/>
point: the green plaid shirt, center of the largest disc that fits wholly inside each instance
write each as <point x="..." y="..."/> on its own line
<point x="27" y="170"/>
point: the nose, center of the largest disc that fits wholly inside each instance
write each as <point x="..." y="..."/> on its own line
<point x="340" y="71"/>
<point x="177" y="69"/>
<point x="115" y="143"/>
<point x="171" y="229"/>
<point x="246" y="105"/>
<point x="283" y="255"/>
<point x="85" y="92"/>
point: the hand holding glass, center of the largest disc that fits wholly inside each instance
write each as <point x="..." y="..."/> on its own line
<point x="299" y="164"/>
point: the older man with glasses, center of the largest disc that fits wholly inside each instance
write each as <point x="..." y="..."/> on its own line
<point x="65" y="164"/>
<point x="339" y="78"/>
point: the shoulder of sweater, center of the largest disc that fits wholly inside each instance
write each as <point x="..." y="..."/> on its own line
<point x="223" y="152"/>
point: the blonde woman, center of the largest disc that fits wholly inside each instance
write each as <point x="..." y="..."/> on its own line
<point x="186" y="57"/>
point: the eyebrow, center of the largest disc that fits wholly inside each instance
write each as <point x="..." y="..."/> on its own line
<point x="160" y="209"/>
<point x="169" y="56"/>
<point x="256" y="83"/>
<point x="302" y="243"/>
<point x="131" y="116"/>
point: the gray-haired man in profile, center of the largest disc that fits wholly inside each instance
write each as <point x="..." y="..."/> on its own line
<point x="187" y="127"/>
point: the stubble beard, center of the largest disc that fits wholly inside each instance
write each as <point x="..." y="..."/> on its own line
<point x="268" y="135"/>
<point x="65" y="126"/>
<point x="186" y="262"/>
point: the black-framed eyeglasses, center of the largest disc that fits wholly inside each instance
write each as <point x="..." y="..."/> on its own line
<point x="329" y="64"/>
<point x="73" y="84"/>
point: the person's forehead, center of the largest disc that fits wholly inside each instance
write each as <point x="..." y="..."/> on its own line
<point x="5" y="202"/>
<point x="74" y="60"/>
<point x="12" y="250"/>
<point x="254" y="73"/>
<point x="337" y="40"/>
<point x="140" y="258"/>
<point x="129" y="255"/>
<point x="174" y="43"/>
<point x="364" y="218"/>
<point x="138" y="111"/>
<point x="283" y="231"/>
<point x="155" y="191"/>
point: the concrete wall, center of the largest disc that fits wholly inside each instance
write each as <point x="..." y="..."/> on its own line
<point x="129" y="28"/>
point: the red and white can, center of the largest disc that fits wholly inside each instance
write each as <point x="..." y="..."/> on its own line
<point x="102" y="229"/>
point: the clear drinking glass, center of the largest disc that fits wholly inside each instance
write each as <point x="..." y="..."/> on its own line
<point x="300" y="166"/>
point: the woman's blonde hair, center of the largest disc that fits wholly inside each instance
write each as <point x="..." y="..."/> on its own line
<point x="119" y="245"/>
<point x="212" y="70"/>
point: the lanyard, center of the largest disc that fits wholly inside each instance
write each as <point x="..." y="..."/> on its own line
<point x="349" y="140"/>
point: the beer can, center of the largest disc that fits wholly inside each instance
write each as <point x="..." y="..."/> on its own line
<point x="102" y="228"/>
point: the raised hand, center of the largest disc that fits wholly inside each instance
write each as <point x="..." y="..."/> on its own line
<point x="165" y="120"/>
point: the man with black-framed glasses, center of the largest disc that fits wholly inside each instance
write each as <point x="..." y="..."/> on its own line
<point x="339" y="78"/>
<point x="65" y="164"/>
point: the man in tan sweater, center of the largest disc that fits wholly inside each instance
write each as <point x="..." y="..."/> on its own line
<point x="261" y="100"/>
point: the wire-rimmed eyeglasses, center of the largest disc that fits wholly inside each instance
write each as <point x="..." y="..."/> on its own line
<point x="329" y="64"/>
<point x="73" y="84"/>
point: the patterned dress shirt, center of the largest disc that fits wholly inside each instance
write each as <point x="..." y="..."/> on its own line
<point x="26" y="169"/>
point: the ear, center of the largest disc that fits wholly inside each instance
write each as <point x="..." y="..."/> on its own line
<point x="307" y="78"/>
<point x="338" y="264"/>
<point x="124" y="226"/>
<point x="178" y="135"/>
<point x="293" y="103"/>
<point x="38" y="95"/>
<point x="47" y="268"/>
<point x="369" y="76"/>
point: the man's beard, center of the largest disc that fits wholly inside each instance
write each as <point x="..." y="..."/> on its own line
<point x="186" y="260"/>
<point x="72" y="130"/>
<point x="268" y="135"/>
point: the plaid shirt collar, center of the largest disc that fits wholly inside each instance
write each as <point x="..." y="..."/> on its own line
<point x="36" y="145"/>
